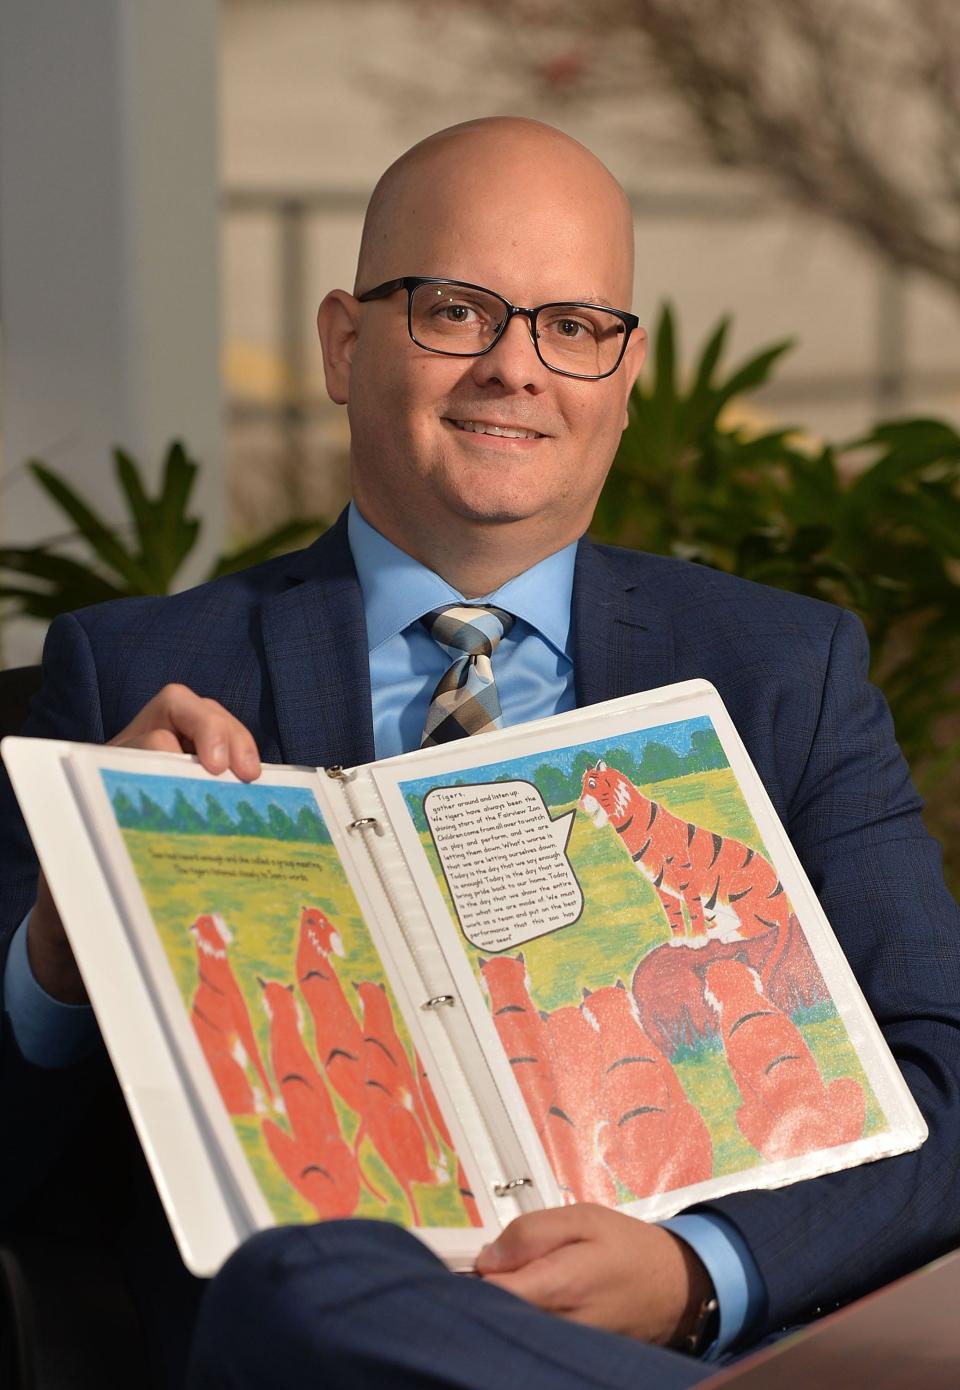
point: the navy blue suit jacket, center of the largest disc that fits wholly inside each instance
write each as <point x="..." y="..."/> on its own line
<point x="283" y="647"/>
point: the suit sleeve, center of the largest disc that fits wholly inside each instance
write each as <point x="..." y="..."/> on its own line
<point x="44" y="1105"/>
<point x="854" y="820"/>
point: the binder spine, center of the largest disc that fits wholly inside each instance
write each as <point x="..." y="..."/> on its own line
<point x="474" y="1094"/>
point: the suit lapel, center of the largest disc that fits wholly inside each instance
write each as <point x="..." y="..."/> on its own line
<point x="622" y="639"/>
<point x="315" y="648"/>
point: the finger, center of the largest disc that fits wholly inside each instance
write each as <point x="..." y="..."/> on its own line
<point x="219" y="740"/>
<point x="533" y="1235"/>
<point x="155" y="740"/>
<point x="179" y="720"/>
<point x="199" y="724"/>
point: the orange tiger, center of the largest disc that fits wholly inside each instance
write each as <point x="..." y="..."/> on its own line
<point x="337" y="1034"/>
<point x="315" y="1158"/>
<point x="521" y="1031"/>
<point x="220" y="1020"/>
<point x="574" y="1118"/>
<point x="392" y="1128"/>
<point x="787" y="1108"/>
<point x="394" y="1072"/>
<point x="690" y="867"/>
<point x="650" y="1136"/>
<point x="550" y="1055"/>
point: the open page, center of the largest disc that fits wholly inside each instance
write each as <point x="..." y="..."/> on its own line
<point x="277" y="995"/>
<point x="638" y="945"/>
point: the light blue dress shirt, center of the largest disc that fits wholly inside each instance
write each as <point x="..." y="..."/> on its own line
<point x="533" y="665"/>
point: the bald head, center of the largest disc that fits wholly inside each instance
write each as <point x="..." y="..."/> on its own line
<point x="505" y="165"/>
<point x="480" y="463"/>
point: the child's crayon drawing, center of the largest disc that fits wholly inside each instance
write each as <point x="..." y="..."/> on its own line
<point x="672" y="1025"/>
<point x="289" y="1001"/>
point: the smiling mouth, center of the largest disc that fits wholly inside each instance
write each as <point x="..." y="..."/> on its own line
<point x="499" y="431"/>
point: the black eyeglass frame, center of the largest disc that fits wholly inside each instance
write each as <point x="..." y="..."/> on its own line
<point x="411" y="283"/>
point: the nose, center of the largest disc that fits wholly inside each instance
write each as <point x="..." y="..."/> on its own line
<point x="512" y="362"/>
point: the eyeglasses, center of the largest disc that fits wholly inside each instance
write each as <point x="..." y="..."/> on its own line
<point x="463" y="320"/>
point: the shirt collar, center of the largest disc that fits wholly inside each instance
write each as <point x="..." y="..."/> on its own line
<point x="397" y="590"/>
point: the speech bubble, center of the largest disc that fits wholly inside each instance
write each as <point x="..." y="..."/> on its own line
<point x="505" y="862"/>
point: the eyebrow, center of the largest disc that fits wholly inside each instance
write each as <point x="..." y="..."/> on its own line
<point x="583" y="299"/>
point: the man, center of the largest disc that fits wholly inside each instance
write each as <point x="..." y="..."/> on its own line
<point x="476" y="462"/>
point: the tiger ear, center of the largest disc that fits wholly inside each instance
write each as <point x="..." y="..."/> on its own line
<point x="601" y="766"/>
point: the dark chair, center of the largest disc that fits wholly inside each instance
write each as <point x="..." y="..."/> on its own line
<point x="67" y="1321"/>
<point x="17" y="688"/>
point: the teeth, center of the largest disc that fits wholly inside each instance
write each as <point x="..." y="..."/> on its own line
<point x="502" y="432"/>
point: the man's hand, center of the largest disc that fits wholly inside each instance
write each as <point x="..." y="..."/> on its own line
<point x="600" y="1267"/>
<point x="175" y="721"/>
<point x="178" y="721"/>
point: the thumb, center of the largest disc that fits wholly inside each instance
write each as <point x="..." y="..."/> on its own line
<point x="533" y="1235"/>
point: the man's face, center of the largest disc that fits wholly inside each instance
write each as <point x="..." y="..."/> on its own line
<point x="415" y="467"/>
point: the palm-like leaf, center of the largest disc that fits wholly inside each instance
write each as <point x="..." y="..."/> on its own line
<point x="101" y="537"/>
<point x="165" y="531"/>
<point x="273" y="543"/>
<point x="161" y="533"/>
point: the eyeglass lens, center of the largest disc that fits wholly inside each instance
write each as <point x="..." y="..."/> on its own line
<point x="459" y="320"/>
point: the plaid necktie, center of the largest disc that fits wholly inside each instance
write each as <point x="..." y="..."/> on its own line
<point x="465" y="701"/>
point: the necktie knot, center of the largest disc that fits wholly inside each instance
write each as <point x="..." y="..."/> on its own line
<point x="465" y="701"/>
<point x="468" y="629"/>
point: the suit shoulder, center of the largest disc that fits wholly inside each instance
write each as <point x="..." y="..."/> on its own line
<point x="230" y="594"/>
<point x="685" y="583"/>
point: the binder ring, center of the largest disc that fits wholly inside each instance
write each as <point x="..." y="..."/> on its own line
<point x="438" y="1001"/>
<point x="503" y="1189"/>
<point x="335" y="771"/>
<point x="363" y="823"/>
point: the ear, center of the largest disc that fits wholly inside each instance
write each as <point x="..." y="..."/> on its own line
<point x="338" y="321"/>
<point x="633" y="360"/>
<point x="601" y="766"/>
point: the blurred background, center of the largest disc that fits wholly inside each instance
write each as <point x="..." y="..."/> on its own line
<point x="181" y="181"/>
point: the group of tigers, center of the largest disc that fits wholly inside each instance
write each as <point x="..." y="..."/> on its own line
<point x="605" y="1102"/>
<point x="362" y="1059"/>
<point x="596" y="1077"/>
<point x="610" y="1109"/>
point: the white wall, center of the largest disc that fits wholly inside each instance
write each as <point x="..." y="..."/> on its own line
<point x="109" y="281"/>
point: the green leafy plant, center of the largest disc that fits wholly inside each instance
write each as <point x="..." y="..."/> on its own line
<point x="141" y="557"/>
<point x="872" y="523"/>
